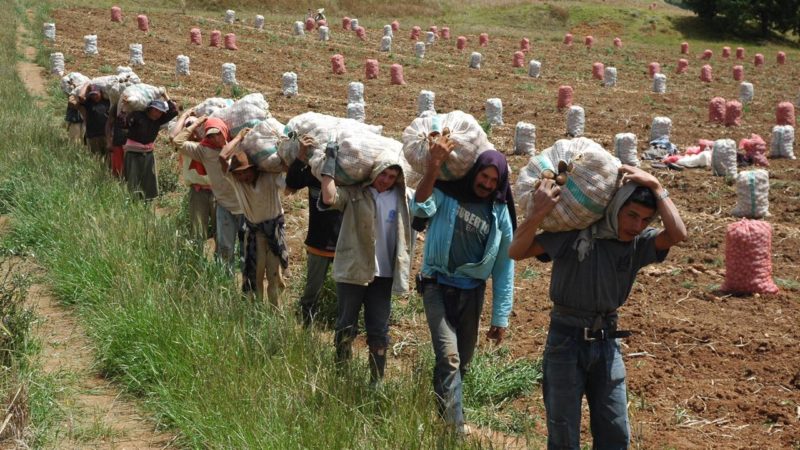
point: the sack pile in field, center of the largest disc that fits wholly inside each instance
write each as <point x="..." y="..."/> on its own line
<point x="626" y="149"/>
<point x="748" y="258"/>
<point x="137" y="96"/>
<point x="358" y="152"/>
<point x="465" y="131"/>
<point x="723" y="158"/>
<point x="323" y="128"/>
<point x="246" y="112"/>
<point x="752" y="194"/>
<point x="782" y="145"/>
<point x="587" y="173"/>
<point x="71" y="82"/>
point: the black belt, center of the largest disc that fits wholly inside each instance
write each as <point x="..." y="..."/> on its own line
<point x="589" y="335"/>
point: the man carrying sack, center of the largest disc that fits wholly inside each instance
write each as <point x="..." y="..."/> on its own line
<point x="471" y="227"/>
<point x="257" y="189"/>
<point x="593" y="271"/>
<point x="372" y="253"/>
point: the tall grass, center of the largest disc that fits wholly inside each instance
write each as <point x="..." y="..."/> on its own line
<point x="169" y="325"/>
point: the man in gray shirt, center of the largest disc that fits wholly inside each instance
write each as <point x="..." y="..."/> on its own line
<point x="593" y="271"/>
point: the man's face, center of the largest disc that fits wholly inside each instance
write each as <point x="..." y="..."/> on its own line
<point x="95" y="97"/>
<point x="632" y="219"/>
<point x="245" y="176"/>
<point x="386" y="179"/>
<point x="154" y="114"/>
<point x="218" y="139"/>
<point x="486" y="182"/>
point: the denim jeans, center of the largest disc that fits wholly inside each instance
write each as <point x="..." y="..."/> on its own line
<point x="573" y="367"/>
<point x="228" y="227"/>
<point x="377" y="300"/>
<point x="453" y="316"/>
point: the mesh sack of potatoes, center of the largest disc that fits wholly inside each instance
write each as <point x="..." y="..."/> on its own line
<point x="468" y="135"/>
<point x="587" y="174"/>
<point x="358" y="152"/>
<point x="322" y="128"/>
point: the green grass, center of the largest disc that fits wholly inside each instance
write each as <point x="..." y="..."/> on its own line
<point x="171" y="327"/>
<point x="493" y="381"/>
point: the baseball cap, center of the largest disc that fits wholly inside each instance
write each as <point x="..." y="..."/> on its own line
<point x="160" y="105"/>
<point x="213" y="130"/>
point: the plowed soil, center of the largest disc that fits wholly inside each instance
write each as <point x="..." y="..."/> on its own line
<point x="705" y="369"/>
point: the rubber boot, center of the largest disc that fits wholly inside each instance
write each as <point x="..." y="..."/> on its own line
<point x="377" y="364"/>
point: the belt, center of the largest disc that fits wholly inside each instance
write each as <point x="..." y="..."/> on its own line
<point x="589" y="335"/>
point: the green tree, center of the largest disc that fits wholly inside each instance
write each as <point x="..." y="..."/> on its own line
<point x="762" y="16"/>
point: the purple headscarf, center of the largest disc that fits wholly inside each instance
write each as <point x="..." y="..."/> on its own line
<point x="462" y="190"/>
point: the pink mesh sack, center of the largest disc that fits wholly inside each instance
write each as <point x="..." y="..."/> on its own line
<point x="748" y="258"/>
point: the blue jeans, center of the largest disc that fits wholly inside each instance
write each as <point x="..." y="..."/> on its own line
<point x="573" y="367"/>
<point x="453" y="316"/>
<point x="377" y="300"/>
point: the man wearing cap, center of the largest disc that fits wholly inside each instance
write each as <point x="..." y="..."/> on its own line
<point x="228" y="212"/>
<point x="323" y="231"/>
<point x="257" y="189"/>
<point x="471" y="227"/>
<point x="94" y="107"/>
<point x="593" y="272"/>
<point x="140" y="165"/>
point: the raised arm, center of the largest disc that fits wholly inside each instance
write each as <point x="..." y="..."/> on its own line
<point x="180" y="124"/>
<point x="524" y="244"/>
<point x="440" y="148"/>
<point x="328" y="189"/>
<point x="674" y="229"/>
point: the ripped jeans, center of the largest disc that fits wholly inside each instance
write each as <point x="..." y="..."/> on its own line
<point x="573" y="367"/>
<point x="453" y="315"/>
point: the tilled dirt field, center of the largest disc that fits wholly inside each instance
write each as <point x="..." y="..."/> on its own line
<point x="705" y="369"/>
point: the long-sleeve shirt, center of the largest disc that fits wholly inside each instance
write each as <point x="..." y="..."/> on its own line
<point x="323" y="226"/>
<point x="209" y="157"/>
<point x="260" y="200"/>
<point x="442" y="210"/>
<point x="144" y="130"/>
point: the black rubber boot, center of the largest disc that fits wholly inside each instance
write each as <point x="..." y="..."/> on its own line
<point x="377" y="364"/>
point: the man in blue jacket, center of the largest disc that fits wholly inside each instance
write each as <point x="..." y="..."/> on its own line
<point x="471" y="227"/>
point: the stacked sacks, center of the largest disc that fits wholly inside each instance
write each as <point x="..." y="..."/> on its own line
<point x="588" y="173"/>
<point x="322" y="128"/>
<point x="358" y="152"/>
<point x="748" y="258"/>
<point x="246" y="112"/>
<point x="468" y="135"/>
<point x="755" y="150"/>
<point x="752" y="194"/>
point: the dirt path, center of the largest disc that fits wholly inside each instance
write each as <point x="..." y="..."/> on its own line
<point x="94" y="413"/>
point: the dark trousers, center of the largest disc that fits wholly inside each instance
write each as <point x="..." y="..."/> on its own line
<point x="377" y="300"/>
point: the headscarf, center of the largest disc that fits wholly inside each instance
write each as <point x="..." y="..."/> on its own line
<point x="608" y="226"/>
<point x="463" y="191"/>
<point x="215" y="122"/>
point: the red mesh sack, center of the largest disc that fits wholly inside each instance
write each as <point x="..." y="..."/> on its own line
<point x="748" y="258"/>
